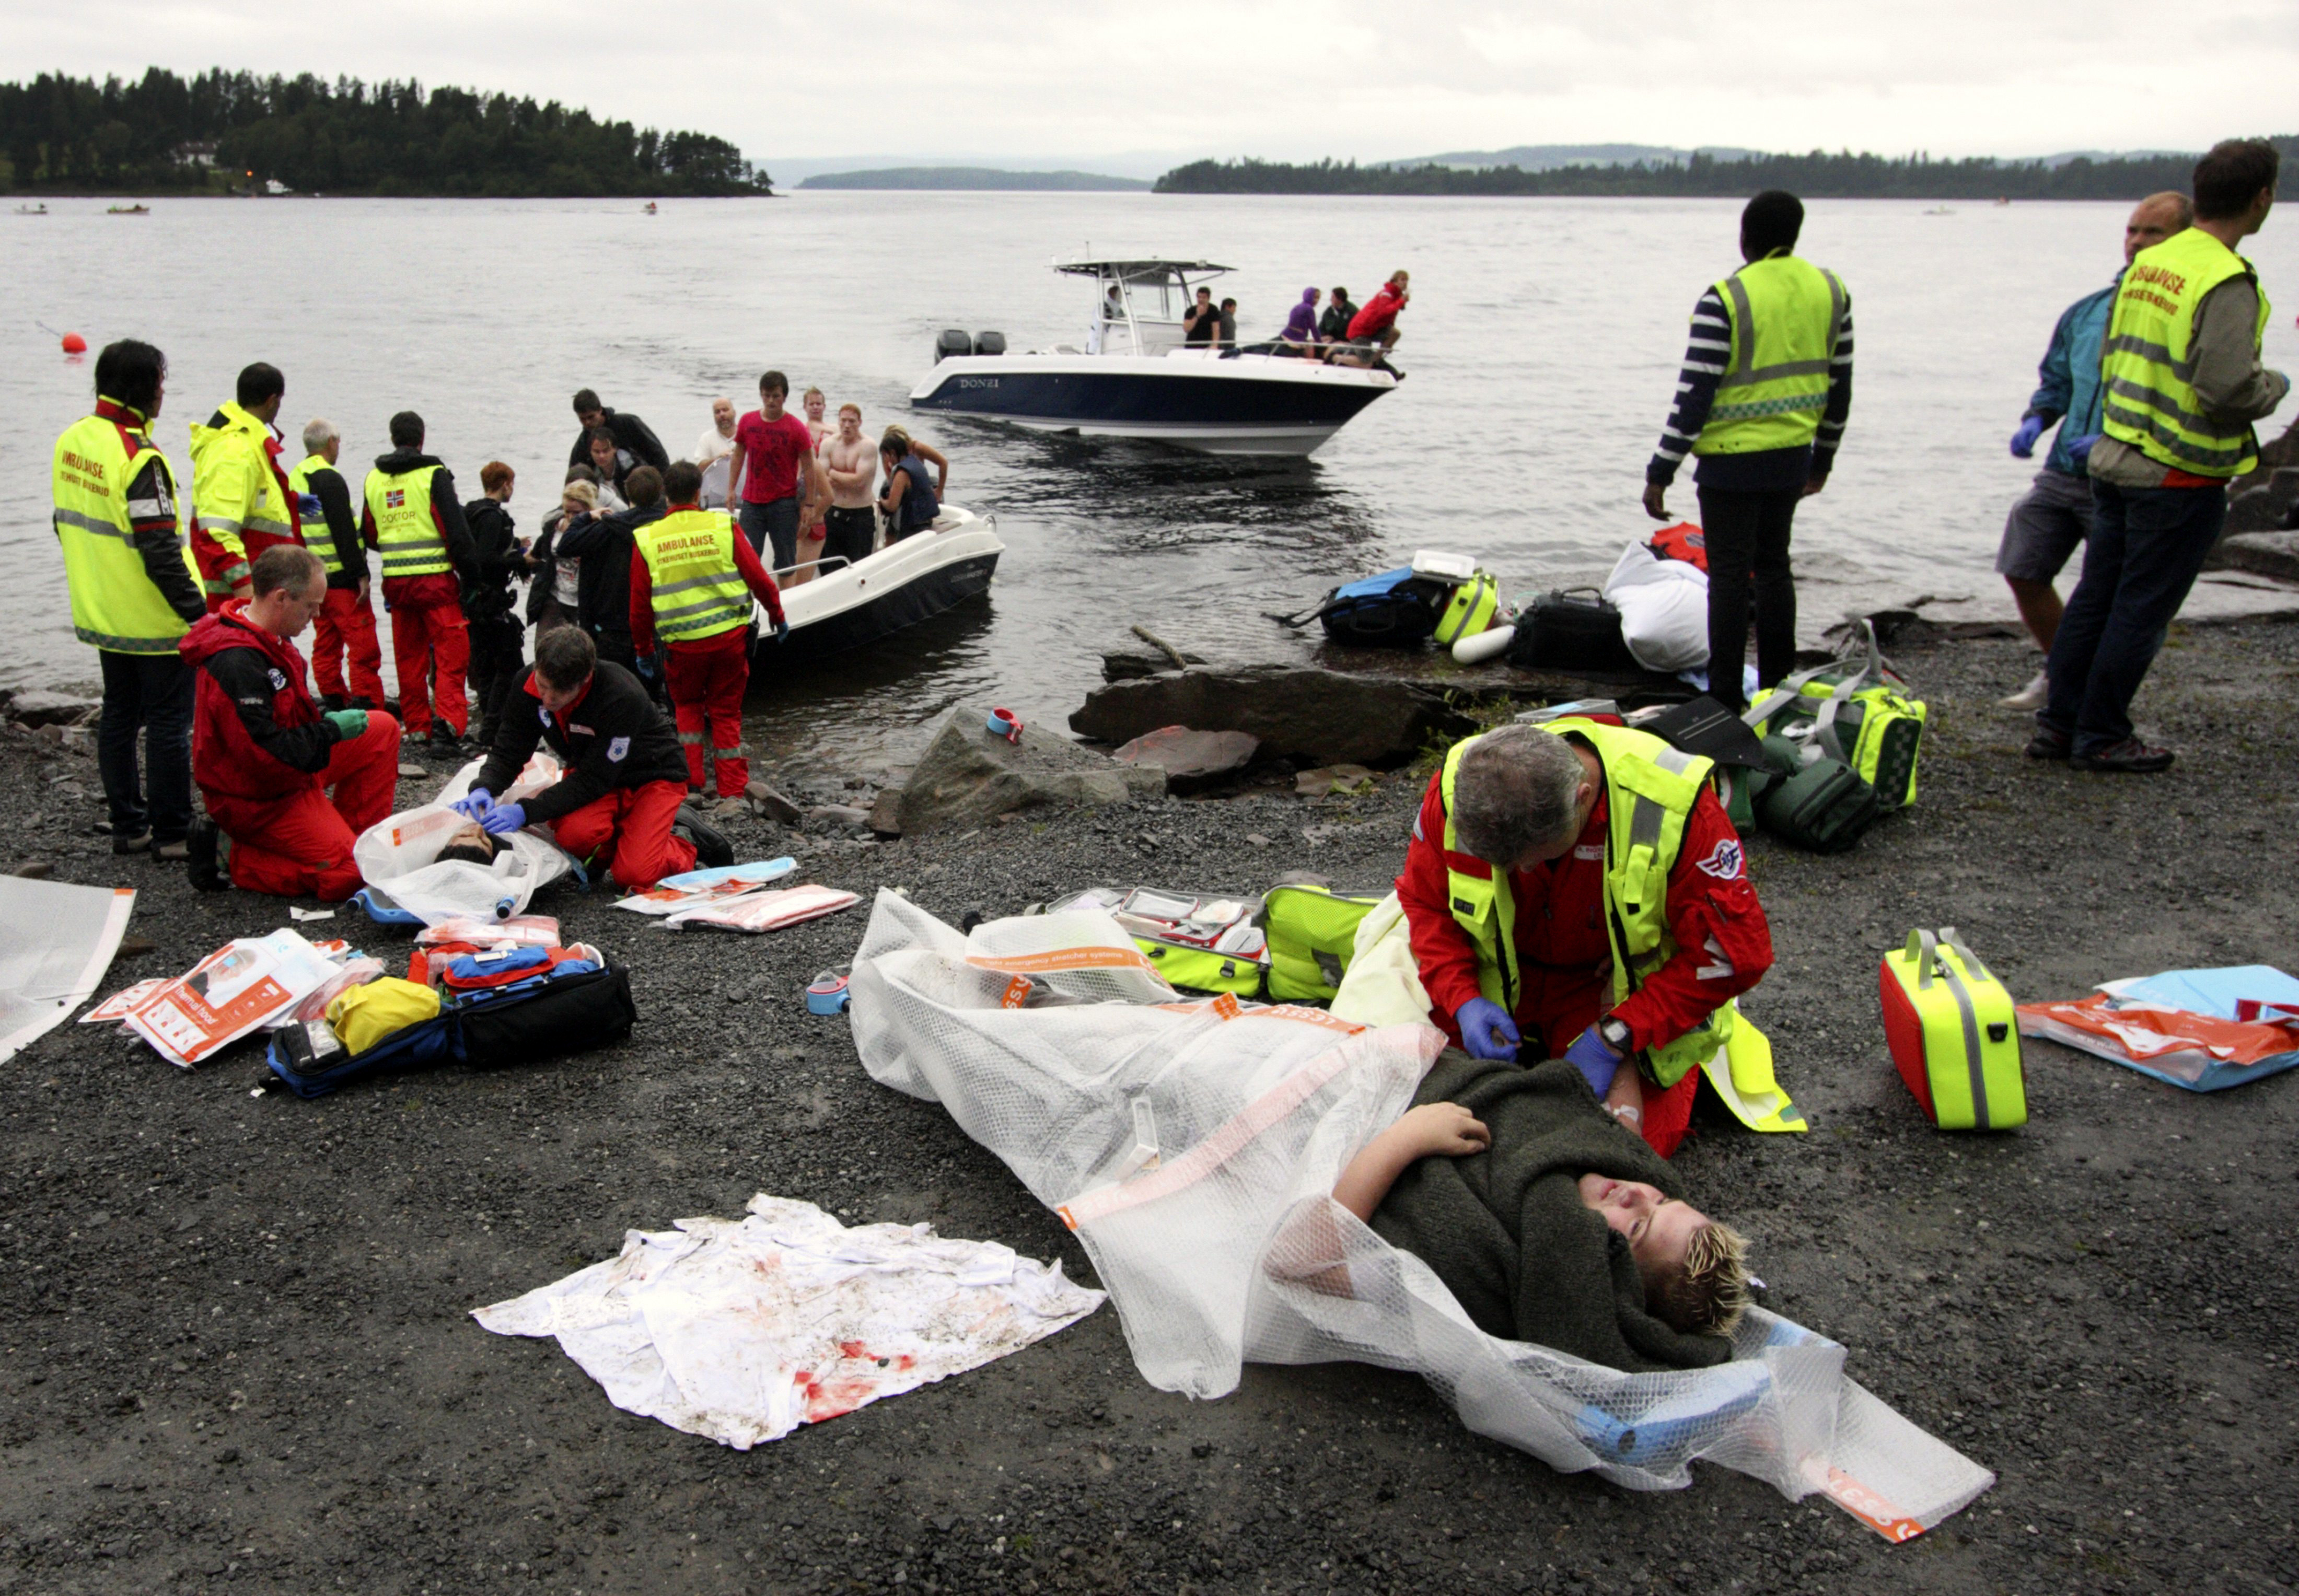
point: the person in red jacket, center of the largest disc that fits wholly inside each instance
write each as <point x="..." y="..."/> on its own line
<point x="264" y="755"/>
<point x="708" y="664"/>
<point x="1376" y="324"/>
<point x="1565" y="959"/>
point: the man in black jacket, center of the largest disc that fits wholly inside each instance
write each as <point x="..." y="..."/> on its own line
<point x="491" y="605"/>
<point x="619" y="802"/>
<point x="630" y="433"/>
<point x="604" y="544"/>
<point x="1334" y="326"/>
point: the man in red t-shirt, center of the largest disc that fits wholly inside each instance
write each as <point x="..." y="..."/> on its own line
<point x="771" y="474"/>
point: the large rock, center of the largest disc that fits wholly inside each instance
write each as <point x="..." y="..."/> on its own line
<point x="1299" y="711"/>
<point x="2258" y="509"/>
<point x="1192" y="761"/>
<point x="2262" y="553"/>
<point x="38" y="707"/>
<point x="1119" y="664"/>
<point x="967" y="776"/>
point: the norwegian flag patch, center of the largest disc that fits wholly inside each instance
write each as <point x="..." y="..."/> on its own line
<point x="395" y="499"/>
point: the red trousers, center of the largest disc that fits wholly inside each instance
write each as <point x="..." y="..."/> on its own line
<point x="345" y="628"/>
<point x="1548" y="1028"/>
<point x="300" y="847"/>
<point x="707" y="681"/>
<point x="427" y="634"/>
<point x="634" y="824"/>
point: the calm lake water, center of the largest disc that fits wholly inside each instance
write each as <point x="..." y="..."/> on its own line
<point x="1542" y="346"/>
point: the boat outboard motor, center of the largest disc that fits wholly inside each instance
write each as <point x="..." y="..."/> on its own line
<point x="952" y="342"/>
<point x="989" y="343"/>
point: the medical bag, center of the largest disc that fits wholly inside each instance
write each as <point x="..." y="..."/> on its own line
<point x="1853" y="712"/>
<point x="1207" y="943"/>
<point x="1312" y="932"/>
<point x="1470" y="609"/>
<point x="1953" y="1035"/>
<point x="1574" y="629"/>
<point x="1395" y="607"/>
<point x="1822" y="807"/>
<point x="569" y="1006"/>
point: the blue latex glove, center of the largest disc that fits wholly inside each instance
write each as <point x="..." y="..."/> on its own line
<point x="1486" y="1030"/>
<point x="2023" y="441"/>
<point x="503" y="819"/>
<point x="1593" y="1057"/>
<point x="646" y="667"/>
<point x="782" y="629"/>
<point x="2079" y="449"/>
<point x="475" y="803"/>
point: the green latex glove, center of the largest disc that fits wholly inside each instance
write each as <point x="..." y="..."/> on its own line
<point x="348" y="722"/>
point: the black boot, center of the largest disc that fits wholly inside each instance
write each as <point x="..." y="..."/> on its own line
<point x="712" y="851"/>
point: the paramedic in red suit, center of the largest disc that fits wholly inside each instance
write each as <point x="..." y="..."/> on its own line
<point x="1723" y="945"/>
<point x="265" y="755"/>
<point x="626" y="777"/>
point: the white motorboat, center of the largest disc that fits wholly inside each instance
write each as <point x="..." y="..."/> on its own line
<point x="900" y="583"/>
<point x="1137" y="379"/>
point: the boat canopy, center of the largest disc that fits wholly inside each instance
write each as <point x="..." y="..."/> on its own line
<point x="1142" y="301"/>
<point x="1142" y="267"/>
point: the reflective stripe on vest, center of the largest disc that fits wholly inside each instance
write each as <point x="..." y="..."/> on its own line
<point x="114" y="603"/>
<point x="698" y="591"/>
<point x="1787" y="316"/>
<point x="408" y="542"/>
<point x="1651" y="790"/>
<point x="318" y="534"/>
<point x="2147" y="373"/>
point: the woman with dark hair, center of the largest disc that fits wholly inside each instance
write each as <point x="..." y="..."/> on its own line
<point x="909" y="504"/>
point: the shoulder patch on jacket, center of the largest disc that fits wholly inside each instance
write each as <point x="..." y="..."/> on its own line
<point x="617" y="749"/>
<point x="1724" y="860"/>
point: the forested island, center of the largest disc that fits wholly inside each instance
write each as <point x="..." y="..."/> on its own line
<point x="982" y="177"/>
<point x="220" y="131"/>
<point x="1817" y="176"/>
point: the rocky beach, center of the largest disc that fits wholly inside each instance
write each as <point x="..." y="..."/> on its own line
<point x="237" y="1350"/>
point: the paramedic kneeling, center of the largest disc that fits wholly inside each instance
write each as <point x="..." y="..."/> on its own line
<point x="618" y="803"/>
<point x="264" y="755"/>
<point x="1605" y="836"/>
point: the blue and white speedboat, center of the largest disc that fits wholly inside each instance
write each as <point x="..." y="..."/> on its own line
<point x="1136" y="377"/>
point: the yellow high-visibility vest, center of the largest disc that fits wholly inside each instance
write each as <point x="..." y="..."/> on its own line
<point x="698" y="590"/>
<point x="115" y="605"/>
<point x="318" y="535"/>
<point x="2149" y="402"/>
<point x="1786" y="316"/>
<point x="408" y="543"/>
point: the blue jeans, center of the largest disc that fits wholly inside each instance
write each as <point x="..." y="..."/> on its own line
<point x="775" y="524"/>
<point x="2145" y="547"/>
<point x="153" y="692"/>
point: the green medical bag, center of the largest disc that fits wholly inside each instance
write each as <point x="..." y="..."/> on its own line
<point x="1312" y="932"/>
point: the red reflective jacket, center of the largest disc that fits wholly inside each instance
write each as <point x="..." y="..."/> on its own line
<point x="256" y="733"/>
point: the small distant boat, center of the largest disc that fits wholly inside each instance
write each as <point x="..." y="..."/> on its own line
<point x="1940" y="210"/>
<point x="650" y="208"/>
<point x="130" y="210"/>
<point x="40" y="209"/>
<point x="846" y="607"/>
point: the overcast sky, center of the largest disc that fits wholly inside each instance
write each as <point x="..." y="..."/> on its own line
<point x="1073" y="79"/>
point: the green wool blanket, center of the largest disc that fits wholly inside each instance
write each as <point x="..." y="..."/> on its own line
<point x="1506" y="1228"/>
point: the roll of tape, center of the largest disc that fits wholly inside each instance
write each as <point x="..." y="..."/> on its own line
<point x="1006" y="723"/>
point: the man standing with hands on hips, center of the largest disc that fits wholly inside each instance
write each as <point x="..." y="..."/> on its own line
<point x="1761" y="402"/>
<point x="2184" y="384"/>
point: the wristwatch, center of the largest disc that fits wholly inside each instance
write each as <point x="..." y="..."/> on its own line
<point x="1615" y="1032"/>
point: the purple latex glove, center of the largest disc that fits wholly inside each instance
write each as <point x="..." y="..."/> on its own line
<point x="2079" y="449"/>
<point x="503" y="819"/>
<point x="1593" y="1057"/>
<point x="475" y="803"/>
<point x="1486" y="1030"/>
<point x="2023" y="441"/>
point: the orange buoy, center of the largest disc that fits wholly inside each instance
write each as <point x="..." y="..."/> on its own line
<point x="74" y="344"/>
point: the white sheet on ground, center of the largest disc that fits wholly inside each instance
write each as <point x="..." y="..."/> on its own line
<point x="56" y="941"/>
<point x="1193" y="1146"/>
<point x="1663" y="604"/>
<point x="744" y="1329"/>
<point x="400" y="855"/>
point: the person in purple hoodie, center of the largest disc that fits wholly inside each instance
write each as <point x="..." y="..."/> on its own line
<point x="1300" y="335"/>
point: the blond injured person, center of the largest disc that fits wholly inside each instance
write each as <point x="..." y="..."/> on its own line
<point x="1548" y="1221"/>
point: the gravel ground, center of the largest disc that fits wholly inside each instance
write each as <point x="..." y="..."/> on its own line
<point x="239" y="1354"/>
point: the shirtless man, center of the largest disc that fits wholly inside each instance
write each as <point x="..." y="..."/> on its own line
<point x="851" y="462"/>
<point x="811" y="529"/>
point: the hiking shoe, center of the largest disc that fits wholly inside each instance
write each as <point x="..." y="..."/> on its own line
<point x="442" y="744"/>
<point x="2130" y="758"/>
<point x="2049" y="744"/>
<point x="123" y="843"/>
<point x="2033" y="696"/>
<point x="712" y="851"/>
<point x="175" y="851"/>
<point x="204" y="852"/>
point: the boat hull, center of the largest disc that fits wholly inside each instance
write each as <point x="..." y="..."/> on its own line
<point x="1252" y="404"/>
<point x="899" y="586"/>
